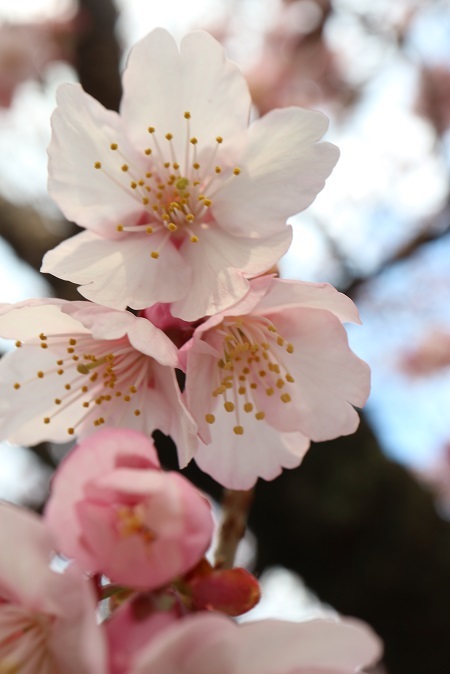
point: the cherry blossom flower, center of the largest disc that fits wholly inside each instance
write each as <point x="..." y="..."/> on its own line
<point x="47" y="619"/>
<point x="115" y="512"/>
<point x="80" y="366"/>
<point x="270" y="373"/>
<point x="180" y="199"/>
<point x="206" y="643"/>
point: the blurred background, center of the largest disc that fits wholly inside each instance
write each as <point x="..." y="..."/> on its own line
<point x="364" y="523"/>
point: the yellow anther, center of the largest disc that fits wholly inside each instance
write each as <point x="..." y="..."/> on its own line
<point x="238" y="430"/>
<point x="42" y="337"/>
<point x="127" y="398"/>
<point x="119" y="228"/>
<point x="271" y="328"/>
<point x="270" y="391"/>
<point x="44" y="345"/>
<point x="86" y="404"/>
<point x="18" y="343"/>
<point x="190" y="217"/>
<point x="70" y="349"/>
<point x="210" y="418"/>
<point x="72" y="341"/>
<point x="60" y="371"/>
<point x="207" y="202"/>
<point x="286" y="398"/>
<point x="187" y="115"/>
<point x="218" y="169"/>
<point x="149" y="230"/>
<point x="229" y="406"/>
<point x="280" y="383"/>
<point x="151" y="129"/>
<point x="290" y="348"/>
<point x="290" y="378"/>
<point x="248" y="407"/>
<point x="84" y="389"/>
<point x="137" y="413"/>
<point x="17" y="385"/>
<point x="40" y="374"/>
<point x="46" y="420"/>
<point x="262" y="373"/>
<point x="124" y="167"/>
<point x="145" y="200"/>
<point x="236" y="171"/>
<point x="169" y="136"/>
<point x="113" y="146"/>
<point x="71" y="431"/>
<point x="166" y="164"/>
<point x="176" y="166"/>
<point x="98" y="165"/>
<point x="181" y="184"/>
<point x="259" y="415"/>
<point x="133" y="389"/>
<point x="172" y="227"/>
<point x="196" y="165"/>
<point x="67" y="387"/>
<point x="219" y="139"/>
<point x="280" y="341"/>
<point x="241" y="390"/>
<point x="253" y="385"/>
<point x="154" y="254"/>
<point x="193" y="140"/>
<point x="57" y="401"/>
<point x="147" y="151"/>
<point x="194" y="239"/>
<point x="133" y="185"/>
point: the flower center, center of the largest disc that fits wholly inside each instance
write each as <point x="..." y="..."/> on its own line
<point x="92" y="378"/>
<point x="251" y="369"/>
<point x="175" y="188"/>
<point x="23" y="640"/>
<point x="131" y="521"/>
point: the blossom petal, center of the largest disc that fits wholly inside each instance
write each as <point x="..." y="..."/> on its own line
<point x="237" y="461"/>
<point x="282" y="171"/>
<point x="83" y="131"/>
<point x="284" y="294"/>
<point x="219" y="262"/>
<point x="119" y="273"/>
<point x="161" y="84"/>
<point x="331" y="378"/>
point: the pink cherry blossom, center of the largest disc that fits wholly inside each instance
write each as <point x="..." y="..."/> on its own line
<point x="115" y="512"/>
<point x="270" y="373"/>
<point x="206" y="643"/>
<point x="80" y="366"/>
<point x="180" y="199"/>
<point x="47" y="619"/>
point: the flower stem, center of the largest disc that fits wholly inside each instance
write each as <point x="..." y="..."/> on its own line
<point x="236" y="506"/>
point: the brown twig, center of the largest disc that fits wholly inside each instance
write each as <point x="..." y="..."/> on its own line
<point x="236" y="506"/>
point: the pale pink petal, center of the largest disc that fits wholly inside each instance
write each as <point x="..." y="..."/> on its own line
<point x="198" y="644"/>
<point x="120" y="273"/>
<point x="201" y="82"/>
<point x="28" y="546"/>
<point x="105" y="323"/>
<point x="331" y="379"/>
<point x="219" y="261"/>
<point x="236" y="461"/>
<point x="82" y="134"/>
<point x="278" y="646"/>
<point x="282" y="171"/>
<point x="19" y="321"/>
<point x="284" y="294"/>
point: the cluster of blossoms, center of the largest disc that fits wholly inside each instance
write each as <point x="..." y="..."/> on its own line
<point x="184" y="208"/>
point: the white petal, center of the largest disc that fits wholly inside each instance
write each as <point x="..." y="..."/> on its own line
<point x="218" y="262"/>
<point x="236" y="461"/>
<point x="282" y="171"/>
<point x="284" y="294"/>
<point x="120" y="273"/>
<point x="82" y="134"/>
<point x="329" y="377"/>
<point x="160" y="85"/>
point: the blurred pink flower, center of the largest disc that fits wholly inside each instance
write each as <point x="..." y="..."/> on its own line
<point x="115" y="512"/>
<point x="429" y="355"/>
<point x="270" y="373"/>
<point x="47" y="619"/>
<point x="206" y="643"/>
<point x="80" y="366"/>
<point x="182" y="202"/>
